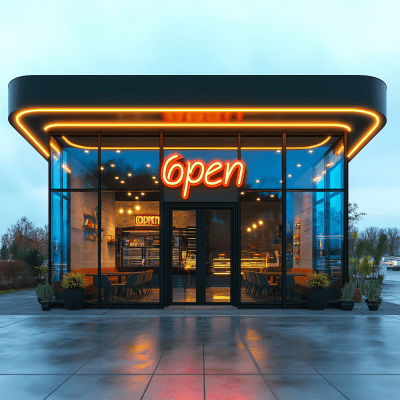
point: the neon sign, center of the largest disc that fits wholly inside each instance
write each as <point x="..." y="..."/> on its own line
<point x="147" y="220"/>
<point x="193" y="173"/>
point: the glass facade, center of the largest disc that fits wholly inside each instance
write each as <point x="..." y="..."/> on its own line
<point x="107" y="213"/>
<point x="261" y="246"/>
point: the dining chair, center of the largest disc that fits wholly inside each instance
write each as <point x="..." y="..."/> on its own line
<point x="105" y="285"/>
<point x="143" y="282"/>
<point x="148" y="280"/>
<point x="290" y="283"/>
<point x="130" y="286"/>
<point x="265" y="286"/>
<point x="253" y="283"/>
<point x="246" y="283"/>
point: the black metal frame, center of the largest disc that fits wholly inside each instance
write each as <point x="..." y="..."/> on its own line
<point x="166" y="229"/>
<point x="200" y="209"/>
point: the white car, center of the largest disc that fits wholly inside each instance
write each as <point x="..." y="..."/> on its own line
<point x="391" y="263"/>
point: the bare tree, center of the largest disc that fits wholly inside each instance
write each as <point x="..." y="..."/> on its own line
<point x="371" y="235"/>
<point x="354" y="216"/>
<point x="393" y="237"/>
<point x="24" y="236"/>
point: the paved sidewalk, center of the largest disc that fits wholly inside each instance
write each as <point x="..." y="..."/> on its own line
<point x="198" y="353"/>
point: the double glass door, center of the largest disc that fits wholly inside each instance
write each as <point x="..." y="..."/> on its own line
<point x="201" y="256"/>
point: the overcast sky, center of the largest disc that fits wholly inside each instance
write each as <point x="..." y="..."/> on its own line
<point x="202" y="37"/>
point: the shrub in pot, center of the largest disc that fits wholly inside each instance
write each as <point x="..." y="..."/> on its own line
<point x="317" y="293"/>
<point x="45" y="293"/>
<point x="348" y="290"/>
<point x="372" y="291"/>
<point x="73" y="293"/>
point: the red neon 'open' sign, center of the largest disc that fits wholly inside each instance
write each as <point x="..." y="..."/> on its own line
<point x="193" y="173"/>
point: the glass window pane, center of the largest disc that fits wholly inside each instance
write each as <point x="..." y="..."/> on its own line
<point x="130" y="162"/>
<point x="74" y="239"/>
<point x="218" y="256"/>
<point x="261" y="252"/>
<point x="74" y="162"/>
<point x="183" y="253"/>
<point x="263" y="159"/>
<point x="130" y="247"/>
<point x="314" y="229"/>
<point x="314" y="162"/>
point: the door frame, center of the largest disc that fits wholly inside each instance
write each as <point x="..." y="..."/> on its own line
<point x="200" y="240"/>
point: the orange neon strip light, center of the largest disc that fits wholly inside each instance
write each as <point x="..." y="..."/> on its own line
<point x="196" y="148"/>
<point x="194" y="125"/>
<point x="284" y="110"/>
<point x="55" y="148"/>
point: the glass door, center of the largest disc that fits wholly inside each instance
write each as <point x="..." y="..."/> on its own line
<point x="217" y="256"/>
<point x="183" y="256"/>
<point x="200" y="256"/>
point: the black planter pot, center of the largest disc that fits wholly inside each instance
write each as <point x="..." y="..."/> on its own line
<point x="317" y="299"/>
<point x="379" y="300"/>
<point x="73" y="298"/>
<point x="347" y="305"/>
<point x="46" y="305"/>
<point x="373" y="305"/>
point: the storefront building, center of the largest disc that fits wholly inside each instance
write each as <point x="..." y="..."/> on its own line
<point x="198" y="190"/>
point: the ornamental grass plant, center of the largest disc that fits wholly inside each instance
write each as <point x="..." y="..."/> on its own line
<point x="73" y="280"/>
<point x="317" y="280"/>
<point x="348" y="290"/>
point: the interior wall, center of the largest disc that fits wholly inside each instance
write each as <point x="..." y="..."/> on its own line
<point x="183" y="218"/>
<point x="83" y="251"/>
<point x="303" y="214"/>
<point x="128" y="220"/>
<point x="108" y="226"/>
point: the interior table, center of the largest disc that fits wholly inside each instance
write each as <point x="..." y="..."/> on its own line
<point x="275" y="275"/>
<point x="119" y="274"/>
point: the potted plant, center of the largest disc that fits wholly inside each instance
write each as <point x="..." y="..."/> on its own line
<point x="372" y="291"/>
<point x="346" y="301"/>
<point x="317" y="293"/>
<point x="44" y="274"/>
<point x="73" y="293"/>
<point x="44" y="293"/>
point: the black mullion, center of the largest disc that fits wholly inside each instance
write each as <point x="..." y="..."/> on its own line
<point x="291" y="190"/>
<point x="49" y="213"/>
<point x="200" y="250"/>
<point x="99" y="218"/>
<point x="345" y="262"/>
<point x="284" y="219"/>
<point x="161" y="265"/>
<point x="74" y="190"/>
<point x="236" y="276"/>
<point x="236" y="264"/>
